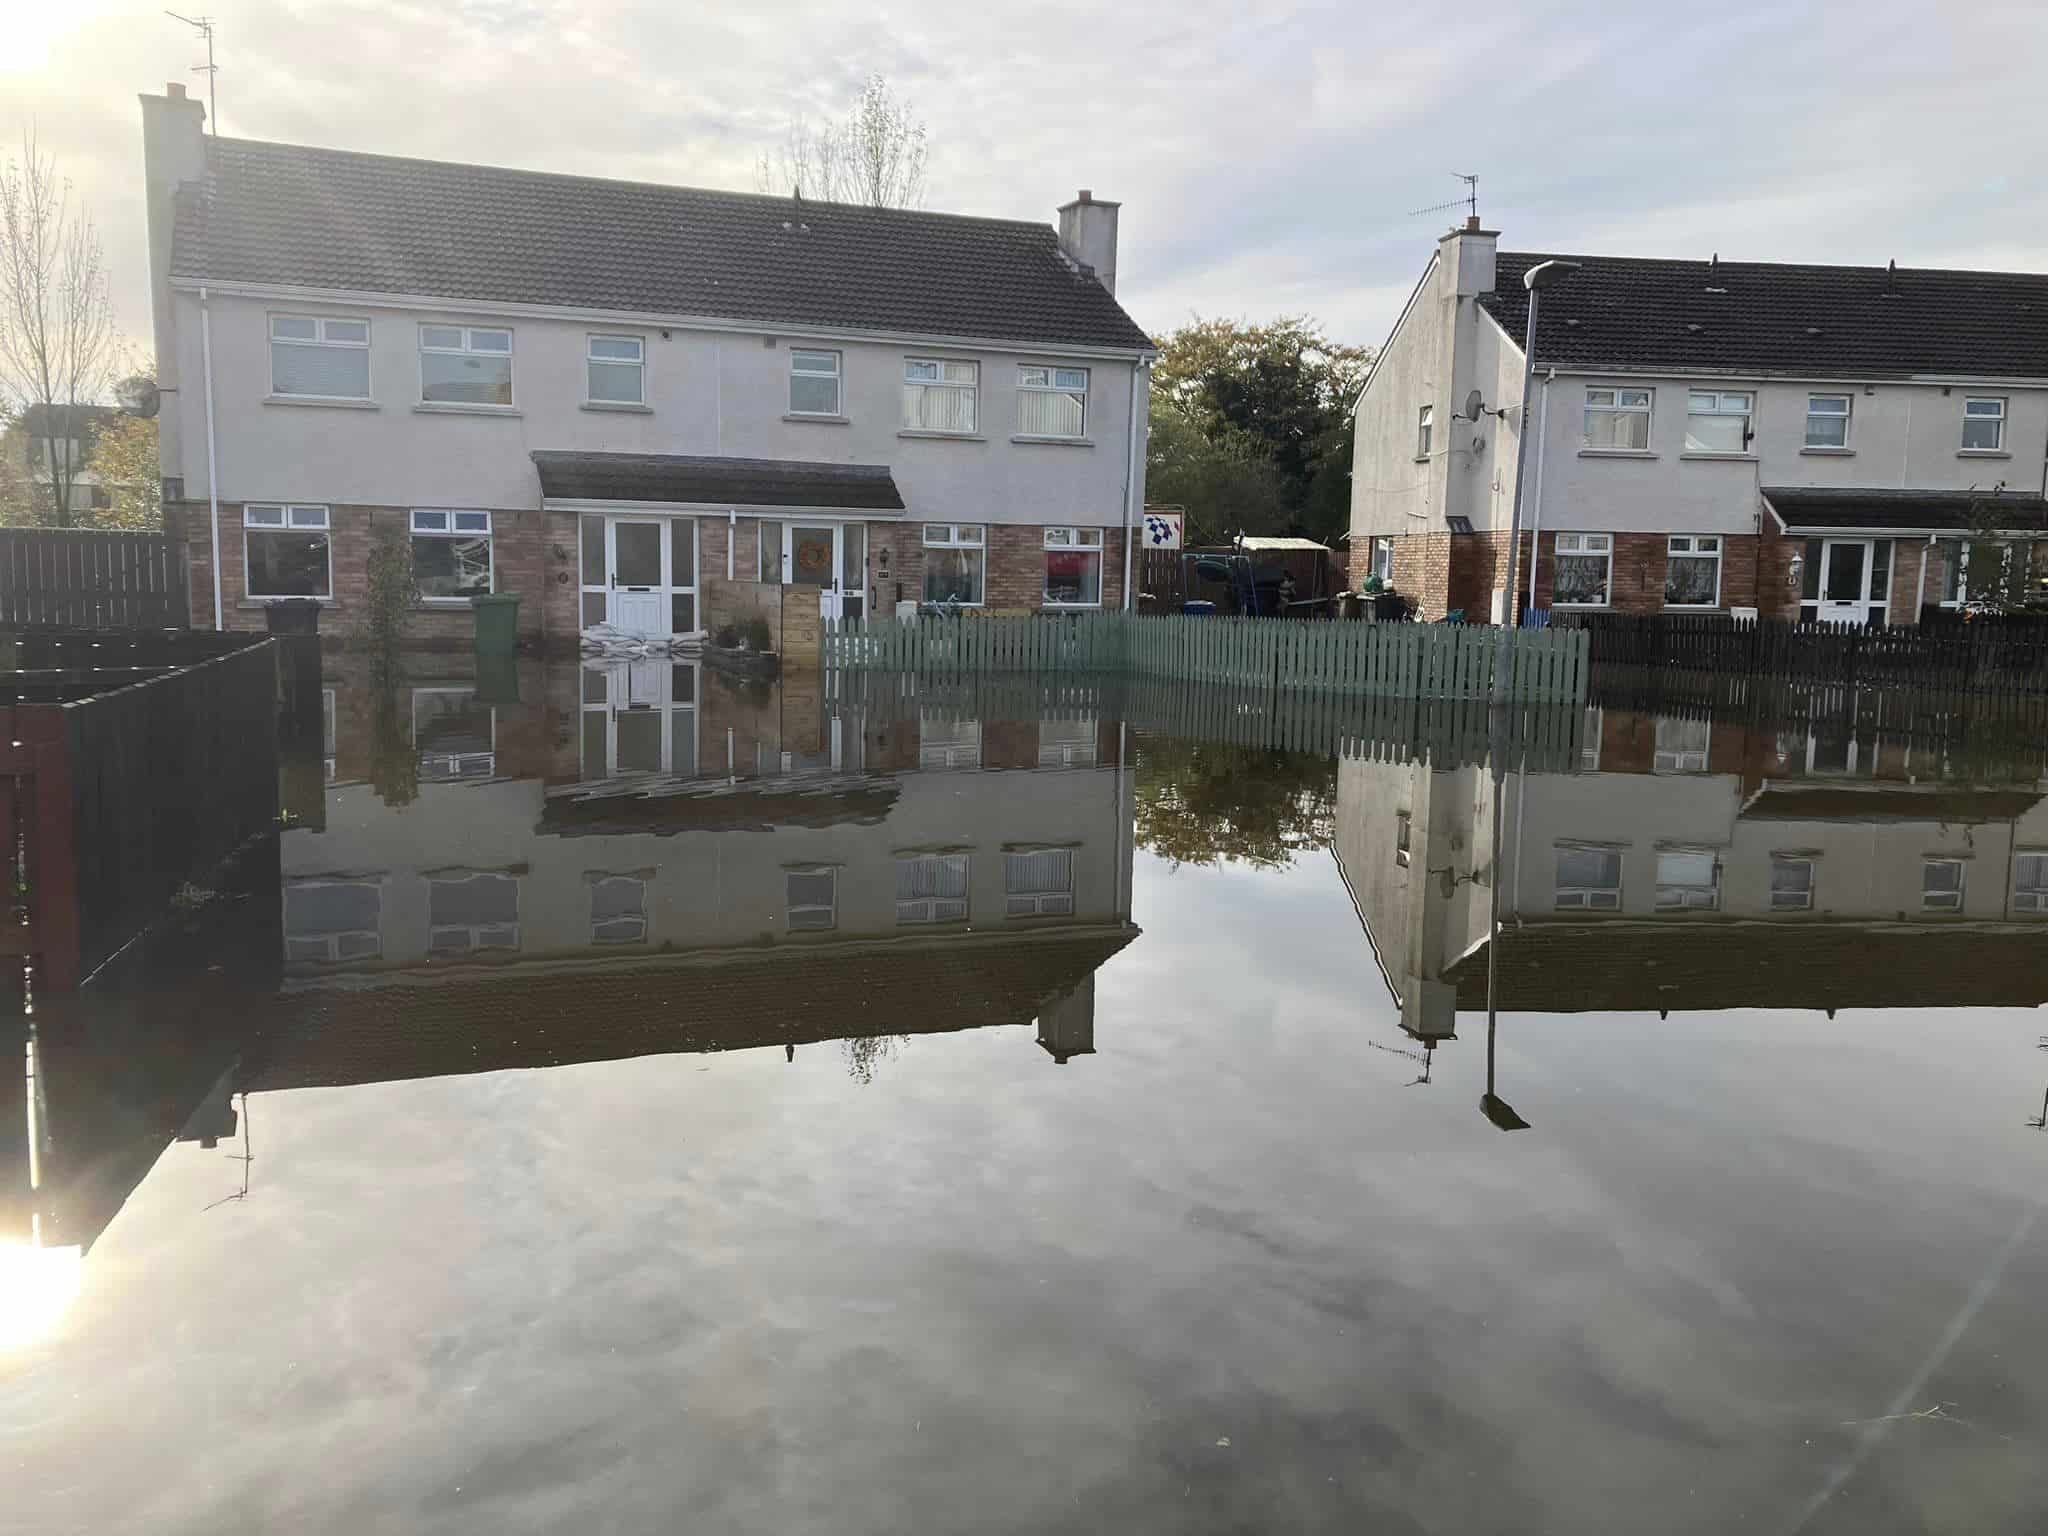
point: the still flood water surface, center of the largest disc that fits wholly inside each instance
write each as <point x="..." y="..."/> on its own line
<point x="656" y="1105"/>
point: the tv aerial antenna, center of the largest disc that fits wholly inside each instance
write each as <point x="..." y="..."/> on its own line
<point x="1469" y="202"/>
<point x="203" y="25"/>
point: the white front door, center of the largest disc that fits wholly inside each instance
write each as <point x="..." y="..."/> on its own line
<point x="639" y="717"/>
<point x="1852" y="579"/>
<point x="640" y="573"/>
<point x="832" y="557"/>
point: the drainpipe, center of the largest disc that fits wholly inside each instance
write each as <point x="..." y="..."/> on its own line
<point x="1536" y="489"/>
<point x="1138" y="370"/>
<point x="1920" y="591"/>
<point x="732" y="534"/>
<point x="212" y="477"/>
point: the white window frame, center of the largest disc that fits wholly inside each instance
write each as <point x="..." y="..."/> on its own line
<point x="637" y="362"/>
<point x="945" y="743"/>
<point x="939" y="381"/>
<point x="332" y="940"/>
<point x="1996" y="416"/>
<point x="1688" y="895"/>
<point x="1793" y="901"/>
<point x="451" y="523"/>
<point x="1944" y="901"/>
<point x="1618" y="402"/>
<point x="639" y="936"/>
<point x="1846" y="416"/>
<point x="1382" y="564"/>
<point x="453" y="766"/>
<point x="1057" y="902"/>
<point x="1683" y="757"/>
<point x="1721" y="405"/>
<point x="470" y="349"/>
<point x="320" y="338"/>
<point x="292" y="517"/>
<point x="474" y="931"/>
<point x="1587" y="898"/>
<point x="1066" y="540"/>
<point x="1693" y="546"/>
<point x="1404" y="837"/>
<point x="1051" y="386"/>
<point x="1425" y="430"/>
<point x="1075" y="743"/>
<point x="837" y="375"/>
<point x="2030" y="900"/>
<point x="971" y="536"/>
<point x="792" y="908"/>
<point x="1583" y="546"/>
<point x="918" y="911"/>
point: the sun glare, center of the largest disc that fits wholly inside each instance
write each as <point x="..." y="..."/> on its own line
<point x="36" y="1286"/>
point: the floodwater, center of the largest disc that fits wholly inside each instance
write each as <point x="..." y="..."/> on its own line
<point x="621" y="1100"/>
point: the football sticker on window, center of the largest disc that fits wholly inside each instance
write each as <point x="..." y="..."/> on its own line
<point x="1162" y="530"/>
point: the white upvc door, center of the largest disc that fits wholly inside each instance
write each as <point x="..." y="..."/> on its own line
<point x="637" y="556"/>
<point x="1848" y="572"/>
<point x="833" y="557"/>
<point x="639" y="717"/>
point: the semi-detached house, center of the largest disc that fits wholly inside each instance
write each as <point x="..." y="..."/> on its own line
<point x="658" y="407"/>
<point x="1810" y="442"/>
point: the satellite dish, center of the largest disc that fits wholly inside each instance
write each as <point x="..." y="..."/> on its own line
<point x="1474" y="404"/>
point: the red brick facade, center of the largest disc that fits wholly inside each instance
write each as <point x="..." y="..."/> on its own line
<point x="537" y="555"/>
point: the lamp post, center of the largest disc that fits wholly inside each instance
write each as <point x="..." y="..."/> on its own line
<point x="1545" y="274"/>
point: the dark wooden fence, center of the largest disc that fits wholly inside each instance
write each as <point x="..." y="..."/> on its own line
<point x="79" y="578"/>
<point x="116" y="792"/>
<point x="1970" y="660"/>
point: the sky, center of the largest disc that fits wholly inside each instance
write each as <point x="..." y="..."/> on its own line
<point x="1269" y="158"/>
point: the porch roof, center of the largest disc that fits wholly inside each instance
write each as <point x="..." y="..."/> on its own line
<point x="697" y="480"/>
<point x="1829" y="509"/>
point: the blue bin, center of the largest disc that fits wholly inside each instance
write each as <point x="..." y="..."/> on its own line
<point x="1198" y="606"/>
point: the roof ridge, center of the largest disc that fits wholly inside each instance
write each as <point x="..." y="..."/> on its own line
<point x="766" y="199"/>
<point x="1782" y="266"/>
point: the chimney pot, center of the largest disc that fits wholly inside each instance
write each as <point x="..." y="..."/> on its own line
<point x="175" y="90"/>
<point x="1472" y="222"/>
<point x="1084" y="196"/>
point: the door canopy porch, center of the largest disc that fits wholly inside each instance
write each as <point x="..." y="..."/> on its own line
<point x="690" y="481"/>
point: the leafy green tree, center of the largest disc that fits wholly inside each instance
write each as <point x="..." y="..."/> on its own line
<point x="1223" y="482"/>
<point x="1278" y="394"/>
<point x="1206" y="803"/>
<point x="125" y="465"/>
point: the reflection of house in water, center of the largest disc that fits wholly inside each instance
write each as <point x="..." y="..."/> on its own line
<point x="1696" y="864"/>
<point x="746" y="867"/>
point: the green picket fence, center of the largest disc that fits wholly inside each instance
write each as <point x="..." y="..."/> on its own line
<point x="1429" y="661"/>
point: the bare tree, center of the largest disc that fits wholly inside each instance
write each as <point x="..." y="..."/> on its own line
<point x="57" y="345"/>
<point x="876" y="156"/>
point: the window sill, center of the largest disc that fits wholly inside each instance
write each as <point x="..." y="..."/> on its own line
<point x="258" y="604"/>
<point x="1053" y="442"/>
<point x="450" y="602"/>
<point x="1052" y="607"/>
<point x="447" y="408"/>
<point x="1982" y="453"/>
<point x="1584" y="607"/>
<point x="1617" y="453"/>
<point x="1829" y="453"/>
<point x="321" y="403"/>
<point x="1422" y="458"/>
<point x="817" y="419"/>
<point x="1733" y="458"/>
<point x="624" y="407"/>
<point x="944" y="437"/>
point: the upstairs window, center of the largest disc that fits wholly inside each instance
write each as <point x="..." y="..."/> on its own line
<point x="1941" y="885"/>
<point x="812" y="898"/>
<point x="1692" y="571"/>
<point x="943" y="743"/>
<point x="1052" y="402"/>
<point x="451" y="554"/>
<point x="1039" y="883"/>
<point x="1425" y="426"/>
<point x="1584" y="570"/>
<point x="1717" y="421"/>
<point x="1618" y="418"/>
<point x="1688" y="880"/>
<point x="317" y="357"/>
<point x="615" y="371"/>
<point x="1681" y="745"/>
<point x="1827" y="421"/>
<point x="1984" y="424"/>
<point x="1073" y="567"/>
<point x="285" y="551"/>
<point x="939" y="396"/>
<point x="1588" y="879"/>
<point x="465" y="365"/>
<point x="333" y="920"/>
<point x="472" y="912"/>
<point x="2030" y="884"/>
<point x="618" y="909"/>
<point x="814" y="379"/>
<point x="1791" y="884"/>
<point x="931" y="888"/>
<point x="955" y="563"/>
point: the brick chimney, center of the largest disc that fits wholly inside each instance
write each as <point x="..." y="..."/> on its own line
<point x="1088" y="235"/>
<point x="173" y="153"/>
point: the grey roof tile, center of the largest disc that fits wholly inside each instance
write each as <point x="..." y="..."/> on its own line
<point x="1776" y="318"/>
<point x="722" y="481"/>
<point x="1830" y="507"/>
<point x="323" y="218"/>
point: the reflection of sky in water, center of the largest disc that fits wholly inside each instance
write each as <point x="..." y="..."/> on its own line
<point x="1235" y="1270"/>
